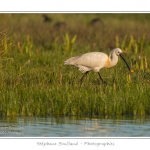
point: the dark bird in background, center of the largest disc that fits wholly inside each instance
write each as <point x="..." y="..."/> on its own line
<point x="60" y="24"/>
<point x="96" y="21"/>
<point x="46" y="18"/>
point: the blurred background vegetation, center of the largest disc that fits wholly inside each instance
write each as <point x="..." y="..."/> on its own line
<point x="98" y="31"/>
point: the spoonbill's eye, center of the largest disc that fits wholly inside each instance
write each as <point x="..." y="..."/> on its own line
<point x="118" y="53"/>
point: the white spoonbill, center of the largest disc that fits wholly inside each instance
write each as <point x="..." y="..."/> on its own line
<point x="96" y="61"/>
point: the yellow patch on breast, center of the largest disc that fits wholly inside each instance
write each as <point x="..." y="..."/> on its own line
<point x="107" y="63"/>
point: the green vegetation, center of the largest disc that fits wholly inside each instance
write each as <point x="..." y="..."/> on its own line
<point x="34" y="81"/>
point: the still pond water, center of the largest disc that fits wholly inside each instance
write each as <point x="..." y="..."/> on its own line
<point x="75" y="127"/>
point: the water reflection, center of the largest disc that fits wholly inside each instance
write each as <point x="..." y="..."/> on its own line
<point x="75" y="127"/>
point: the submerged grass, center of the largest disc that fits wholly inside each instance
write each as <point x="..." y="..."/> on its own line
<point x="34" y="81"/>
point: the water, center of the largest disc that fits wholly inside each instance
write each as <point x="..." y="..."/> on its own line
<point x="74" y="127"/>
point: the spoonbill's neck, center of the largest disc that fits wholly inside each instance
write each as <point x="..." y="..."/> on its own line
<point x="113" y="58"/>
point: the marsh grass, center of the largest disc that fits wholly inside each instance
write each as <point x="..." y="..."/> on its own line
<point x="34" y="81"/>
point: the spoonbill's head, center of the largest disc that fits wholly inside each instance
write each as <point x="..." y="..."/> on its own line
<point x="119" y="52"/>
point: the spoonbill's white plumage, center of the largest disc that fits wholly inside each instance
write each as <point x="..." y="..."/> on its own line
<point x="96" y="61"/>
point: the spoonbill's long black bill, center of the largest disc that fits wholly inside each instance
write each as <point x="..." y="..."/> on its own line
<point x="126" y="63"/>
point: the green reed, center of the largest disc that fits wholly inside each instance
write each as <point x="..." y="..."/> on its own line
<point x="42" y="87"/>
